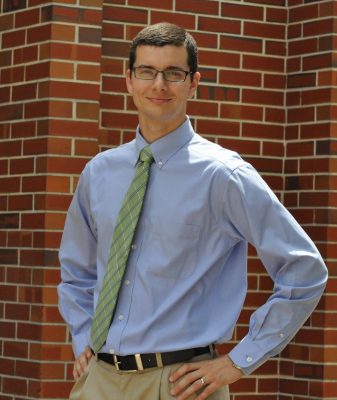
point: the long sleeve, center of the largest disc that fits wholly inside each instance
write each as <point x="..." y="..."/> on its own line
<point x="289" y="256"/>
<point x="78" y="267"/>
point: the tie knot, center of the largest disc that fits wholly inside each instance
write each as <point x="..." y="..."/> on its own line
<point x="146" y="155"/>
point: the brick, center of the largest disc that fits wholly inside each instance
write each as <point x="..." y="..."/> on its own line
<point x="89" y="72"/>
<point x="224" y="59"/>
<point x="6" y="22"/>
<point x="118" y="120"/>
<point x="37" y="71"/>
<point x="9" y="221"/>
<point x="112" y="30"/>
<point x="17" y="311"/>
<point x="219" y="25"/>
<point x="303" y="46"/>
<point x="264" y="30"/>
<point x="26" y="54"/>
<point x="251" y="147"/>
<point x="36" y="109"/>
<point x="270" y="131"/>
<point x="218" y="127"/>
<point x="20" y="202"/>
<point x="73" y="128"/>
<point x="123" y="14"/>
<point x="91" y="110"/>
<point x="274" y="81"/>
<point x="66" y="51"/>
<point x="204" y="39"/>
<point x="23" y="129"/>
<point x="113" y="84"/>
<point x="318" y="27"/>
<point x="303" y="13"/>
<point x="262" y="97"/>
<point x="24" y="91"/>
<point x="86" y="148"/>
<point x="13" y="39"/>
<point x="218" y="93"/>
<point x="14" y="386"/>
<point x="112" y="66"/>
<point x="27" y="18"/>
<point x="90" y="35"/>
<point x="49" y="239"/>
<point x="263" y="63"/>
<point x="73" y="90"/>
<point x="60" y="109"/>
<point x="33" y="183"/>
<point x="115" y="48"/>
<point x="12" y="75"/>
<point x="62" y="32"/>
<point x="61" y="70"/>
<point x="236" y="43"/>
<point x="50" y="389"/>
<point x="19" y="238"/>
<point x="278" y="15"/>
<point x="241" y="112"/>
<point x="302" y="114"/>
<point x="200" y="108"/>
<point x="15" y="349"/>
<point x="317" y="62"/>
<point x="9" y="185"/>
<point x="301" y="80"/>
<point x="276" y="48"/>
<point x="5" y="59"/>
<point x="52" y="202"/>
<point x="198" y="6"/>
<point x="10" y="112"/>
<point x="240" y="78"/>
<point x="243" y="11"/>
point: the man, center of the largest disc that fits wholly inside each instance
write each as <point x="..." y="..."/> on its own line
<point x="184" y="284"/>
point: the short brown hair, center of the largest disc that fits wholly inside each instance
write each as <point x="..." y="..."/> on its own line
<point x="162" y="34"/>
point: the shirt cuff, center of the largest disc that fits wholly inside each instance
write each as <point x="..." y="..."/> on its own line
<point x="80" y="342"/>
<point x="247" y="355"/>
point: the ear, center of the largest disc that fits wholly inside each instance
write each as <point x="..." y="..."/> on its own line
<point x="129" y="81"/>
<point x="194" y="84"/>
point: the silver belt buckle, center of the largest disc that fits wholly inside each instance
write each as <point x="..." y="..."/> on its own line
<point x="116" y="362"/>
<point x="139" y="362"/>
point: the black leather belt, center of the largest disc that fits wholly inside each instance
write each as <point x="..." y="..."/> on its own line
<point x="139" y="362"/>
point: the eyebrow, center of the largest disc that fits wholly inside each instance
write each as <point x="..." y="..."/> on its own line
<point x="168" y="68"/>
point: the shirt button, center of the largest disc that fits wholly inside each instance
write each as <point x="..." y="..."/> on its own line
<point x="160" y="164"/>
<point x="281" y="335"/>
<point x="121" y="317"/>
<point x="127" y="282"/>
<point x="133" y="247"/>
<point x="249" y="359"/>
<point x="112" y="351"/>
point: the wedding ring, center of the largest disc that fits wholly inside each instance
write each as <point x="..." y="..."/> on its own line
<point x="203" y="380"/>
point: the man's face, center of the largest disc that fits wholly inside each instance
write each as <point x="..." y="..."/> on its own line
<point x="159" y="101"/>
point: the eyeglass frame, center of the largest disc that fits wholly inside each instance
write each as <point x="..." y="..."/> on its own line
<point x="162" y="72"/>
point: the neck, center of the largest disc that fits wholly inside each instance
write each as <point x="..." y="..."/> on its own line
<point x="153" y="130"/>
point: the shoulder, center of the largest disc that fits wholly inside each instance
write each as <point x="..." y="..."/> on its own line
<point x="215" y="156"/>
<point x="121" y="154"/>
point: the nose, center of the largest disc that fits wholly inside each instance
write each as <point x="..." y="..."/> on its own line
<point x="159" y="82"/>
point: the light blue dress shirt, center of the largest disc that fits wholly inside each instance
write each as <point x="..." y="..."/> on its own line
<point x="186" y="279"/>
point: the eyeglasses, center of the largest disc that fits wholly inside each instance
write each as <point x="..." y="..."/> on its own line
<point x="170" y="75"/>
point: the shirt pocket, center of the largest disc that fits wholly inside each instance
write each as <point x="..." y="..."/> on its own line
<point x="170" y="249"/>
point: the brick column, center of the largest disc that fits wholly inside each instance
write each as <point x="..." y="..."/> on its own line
<point x="309" y="364"/>
<point x="50" y="78"/>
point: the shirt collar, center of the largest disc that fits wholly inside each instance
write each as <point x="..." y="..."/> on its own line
<point x="165" y="147"/>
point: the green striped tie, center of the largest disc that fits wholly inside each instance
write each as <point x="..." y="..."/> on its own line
<point x="120" y="248"/>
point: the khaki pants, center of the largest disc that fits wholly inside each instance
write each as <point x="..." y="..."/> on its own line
<point x="103" y="382"/>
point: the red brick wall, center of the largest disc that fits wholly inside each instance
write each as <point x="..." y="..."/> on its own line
<point x="267" y="91"/>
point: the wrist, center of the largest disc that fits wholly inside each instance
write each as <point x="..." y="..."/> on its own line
<point x="236" y="366"/>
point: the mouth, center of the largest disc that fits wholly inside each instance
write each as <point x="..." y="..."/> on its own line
<point x="158" y="100"/>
